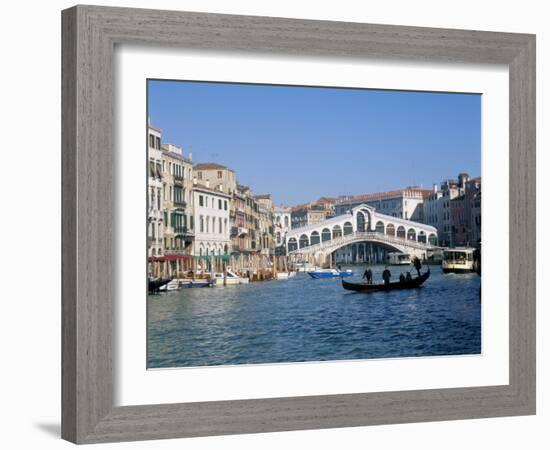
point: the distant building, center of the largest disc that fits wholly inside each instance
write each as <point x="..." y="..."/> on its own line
<point x="211" y="211"/>
<point x="265" y="216"/>
<point x="155" y="229"/>
<point x="472" y="207"/>
<point x="312" y="212"/>
<point x="401" y="203"/>
<point x="245" y="220"/>
<point x="281" y="224"/>
<point x="219" y="177"/>
<point x="438" y="210"/>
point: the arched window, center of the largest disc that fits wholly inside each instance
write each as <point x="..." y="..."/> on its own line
<point x="390" y="229"/>
<point x="411" y="234"/>
<point x="292" y="244"/>
<point x="304" y="241"/>
<point x="278" y="238"/>
<point x="286" y="221"/>
<point x="432" y="239"/>
<point x="225" y="249"/>
<point x="380" y="227"/>
<point x="348" y="228"/>
<point x="326" y="235"/>
<point x="336" y="231"/>
<point x="360" y="222"/>
<point x="278" y="220"/>
<point x="315" y="238"/>
<point x="422" y="237"/>
<point x="401" y="232"/>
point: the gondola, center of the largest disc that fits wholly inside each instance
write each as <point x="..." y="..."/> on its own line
<point x="407" y="284"/>
<point x="156" y="283"/>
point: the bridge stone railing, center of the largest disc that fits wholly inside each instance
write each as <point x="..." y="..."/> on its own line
<point x="371" y="236"/>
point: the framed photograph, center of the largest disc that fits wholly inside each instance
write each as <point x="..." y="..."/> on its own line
<point x="277" y="224"/>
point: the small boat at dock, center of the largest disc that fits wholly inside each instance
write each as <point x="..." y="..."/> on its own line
<point x="330" y="273"/>
<point x="399" y="259"/>
<point x="406" y="284"/>
<point x="285" y="275"/>
<point x="230" y="279"/>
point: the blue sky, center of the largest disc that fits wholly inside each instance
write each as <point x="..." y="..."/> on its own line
<point x="301" y="143"/>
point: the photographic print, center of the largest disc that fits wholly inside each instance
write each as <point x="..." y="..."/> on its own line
<point x="291" y="224"/>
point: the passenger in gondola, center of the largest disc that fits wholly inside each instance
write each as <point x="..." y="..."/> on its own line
<point x="368" y="275"/>
<point x="401" y="278"/>
<point x="417" y="265"/>
<point x="386" y="275"/>
<point x="408" y="276"/>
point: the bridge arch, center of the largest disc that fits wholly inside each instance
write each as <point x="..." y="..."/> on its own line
<point x="348" y="228"/>
<point x="292" y="244"/>
<point x="401" y="232"/>
<point x="336" y="231"/>
<point x="380" y="227"/>
<point x="326" y="235"/>
<point x="432" y="239"/>
<point x="390" y="229"/>
<point x="304" y="241"/>
<point x="314" y="238"/>
<point x="421" y="237"/>
<point x="411" y="234"/>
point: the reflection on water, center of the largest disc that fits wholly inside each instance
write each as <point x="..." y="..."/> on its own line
<point x="302" y="319"/>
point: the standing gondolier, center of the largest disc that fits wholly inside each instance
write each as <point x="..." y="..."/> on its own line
<point x="417" y="265"/>
<point x="386" y="275"/>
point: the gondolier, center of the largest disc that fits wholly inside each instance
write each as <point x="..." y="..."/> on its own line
<point x="417" y="265"/>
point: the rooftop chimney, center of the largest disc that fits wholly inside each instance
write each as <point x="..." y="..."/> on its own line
<point x="190" y="155"/>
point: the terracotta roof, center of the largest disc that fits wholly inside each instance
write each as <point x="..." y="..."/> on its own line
<point x="211" y="166"/>
<point x="384" y="195"/>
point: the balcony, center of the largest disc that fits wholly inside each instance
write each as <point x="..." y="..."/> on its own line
<point x="180" y="204"/>
<point x="183" y="230"/>
<point x="178" y="180"/>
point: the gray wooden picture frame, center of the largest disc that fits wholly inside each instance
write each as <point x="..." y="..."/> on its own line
<point x="90" y="34"/>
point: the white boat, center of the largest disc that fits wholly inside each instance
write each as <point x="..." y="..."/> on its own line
<point x="231" y="279"/>
<point x="458" y="260"/>
<point x="173" y="285"/>
<point x="399" y="259"/>
<point x="285" y="275"/>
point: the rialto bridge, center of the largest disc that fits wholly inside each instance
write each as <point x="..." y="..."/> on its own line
<point x="362" y="225"/>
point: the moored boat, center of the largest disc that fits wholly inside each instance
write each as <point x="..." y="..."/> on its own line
<point x="285" y="275"/>
<point x="406" y="284"/>
<point x="330" y="273"/>
<point x="230" y="279"/>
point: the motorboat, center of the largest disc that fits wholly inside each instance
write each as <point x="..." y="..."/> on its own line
<point x="230" y="279"/>
<point x="458" y="260"/>
<point x="330" y="273"/>
<point x="399" y="259"/>
<point x="285" y="275"/>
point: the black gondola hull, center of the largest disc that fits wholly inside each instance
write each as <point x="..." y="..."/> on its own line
<point x="398" y="285"/>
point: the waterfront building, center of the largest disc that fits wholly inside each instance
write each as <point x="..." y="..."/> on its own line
<point x="211" y="212"/>
<point x="245" y="221"/>
<point x="459" y="234"/>
<point x="472" y="207"/>
<point x="265" y="216"/>
<point x="402" y="203"/>
<point x="437" y="207"/>
<point x="155" y="229"/>
<point x="312" y="212"/>
<point x="177" y="204"/>
<point x="281" y="224"/>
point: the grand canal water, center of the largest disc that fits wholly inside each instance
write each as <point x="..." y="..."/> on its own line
<point x="302" y="319"/>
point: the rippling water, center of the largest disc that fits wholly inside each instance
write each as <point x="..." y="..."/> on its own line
<point x="302" y="319"/>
